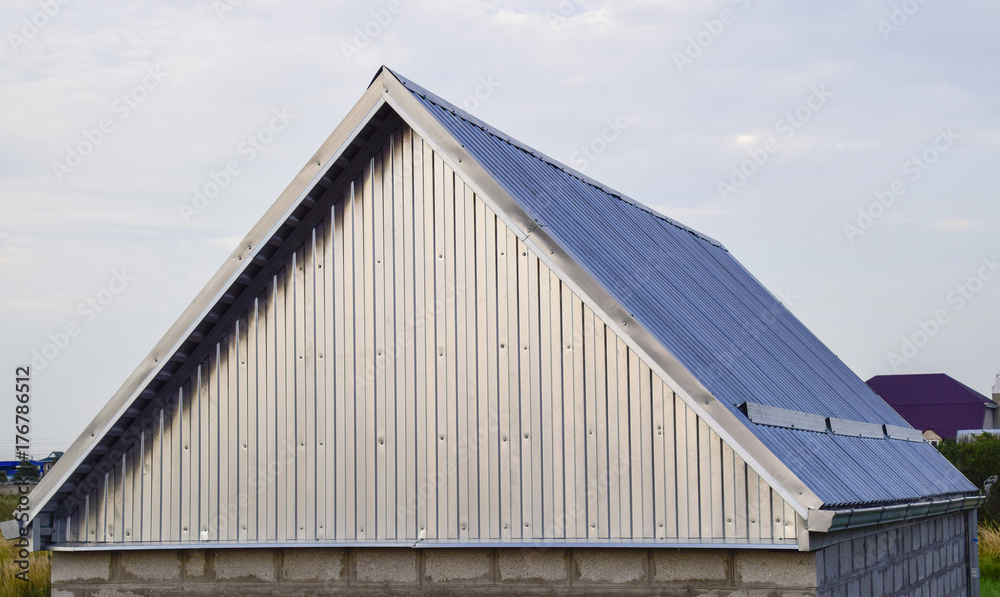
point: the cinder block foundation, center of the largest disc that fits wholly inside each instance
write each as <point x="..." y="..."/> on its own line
<point x="926" y="557"/>
<point x="425" y="572"/>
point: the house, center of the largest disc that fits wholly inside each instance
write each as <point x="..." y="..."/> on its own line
<point x="937" y="402"/>
<point x="970" y="435"/>
<point x="10" y="467"/>
<point x="443" y="362"/>
<point x="45" y="464"/>
<point x="931" y="437"/>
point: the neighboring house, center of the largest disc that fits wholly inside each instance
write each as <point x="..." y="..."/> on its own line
<point x="443" y="363"/>
<point x="10" y="467"/>
<point x="931" y="437"/>
<point x="969" y="435"/>
<point x="937" y="402"/>
<point x="47" y="462"/>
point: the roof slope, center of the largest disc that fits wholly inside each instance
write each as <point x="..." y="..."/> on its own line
<point x="716" y="319"/>
<point x="932" y="401"/>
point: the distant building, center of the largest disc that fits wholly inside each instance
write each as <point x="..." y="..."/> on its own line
<point x="47" y="462"/>
<point x="937" y="402"/>
<point x="966" y="436"/>
<point x="931" y="437"/>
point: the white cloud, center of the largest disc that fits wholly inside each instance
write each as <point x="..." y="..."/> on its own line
<point x="957" y="224"/>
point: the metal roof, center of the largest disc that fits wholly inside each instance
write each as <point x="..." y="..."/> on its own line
<point x="933" y="401"/>
<point x="718" y="321"/>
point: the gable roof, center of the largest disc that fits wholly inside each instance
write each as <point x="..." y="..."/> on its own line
<point x="679" y="297"/>
<point x="933" y="401"/>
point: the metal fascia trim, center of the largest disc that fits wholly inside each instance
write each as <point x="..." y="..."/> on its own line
<point x="823" y="521"/>
<point x="135" y="384"/>
<point x="788" y="544"/>
<point x="731" y="429"/>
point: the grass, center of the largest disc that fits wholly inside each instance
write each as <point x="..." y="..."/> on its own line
<point x="989" y="588"/>
<point x="989" y="559"/>
<point x="39" y="567"/>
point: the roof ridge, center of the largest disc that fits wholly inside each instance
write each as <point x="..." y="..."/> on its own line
<point x="545" y="159"/>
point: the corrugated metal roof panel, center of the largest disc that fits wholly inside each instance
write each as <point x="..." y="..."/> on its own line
<point x="716" y="319"/>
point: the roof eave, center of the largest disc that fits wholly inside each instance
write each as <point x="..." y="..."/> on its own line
<point x="826" y="521"/>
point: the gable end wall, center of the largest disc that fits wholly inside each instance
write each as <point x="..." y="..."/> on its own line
<point x="414" y="371"/>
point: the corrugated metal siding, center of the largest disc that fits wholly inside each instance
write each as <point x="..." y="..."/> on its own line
<point x="717" y="320"/>
<point x="415" y="371"/>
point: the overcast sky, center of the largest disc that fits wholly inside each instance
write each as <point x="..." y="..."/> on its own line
<point x="774" y="127"/>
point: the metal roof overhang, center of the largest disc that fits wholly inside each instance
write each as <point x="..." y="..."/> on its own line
<point x="824" y="521"/>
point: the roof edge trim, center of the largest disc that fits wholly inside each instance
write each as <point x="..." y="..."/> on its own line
<point x="789" y="544"/>
<point x="825" y="521"/>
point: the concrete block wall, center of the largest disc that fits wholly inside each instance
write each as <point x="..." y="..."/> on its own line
<point x="424" y="572"/>
<point x="927" y="557"/>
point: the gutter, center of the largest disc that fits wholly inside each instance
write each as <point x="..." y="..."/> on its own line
<point x="825" y="521"/>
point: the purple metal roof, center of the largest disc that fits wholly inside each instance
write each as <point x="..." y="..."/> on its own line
<point x="932" y="401"/>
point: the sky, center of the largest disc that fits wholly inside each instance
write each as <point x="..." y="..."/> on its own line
<point x="844" y="152"/>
